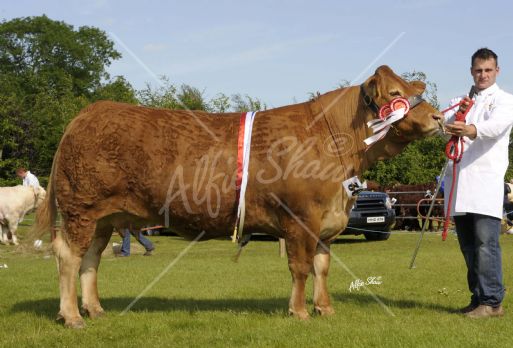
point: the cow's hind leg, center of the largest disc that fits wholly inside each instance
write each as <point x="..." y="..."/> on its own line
<point x="3" y="234"/>
<point x="69" y="258"/>
<point x="89" y="271"/>
<point x="322" y="304"/>
<point x="300" y="250"/>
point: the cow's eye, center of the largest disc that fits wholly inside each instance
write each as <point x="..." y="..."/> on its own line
<point x="395" y="93"/>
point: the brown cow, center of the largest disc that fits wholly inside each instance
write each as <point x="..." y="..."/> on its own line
<point x="407" y="208"/>
<point x="120" y="164"/>
<point x="406" y="205"/>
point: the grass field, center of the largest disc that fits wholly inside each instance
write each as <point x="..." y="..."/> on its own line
<point x="206" y="300"/>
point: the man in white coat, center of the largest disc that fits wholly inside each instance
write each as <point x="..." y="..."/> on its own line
<point x="28" y="178"/>
<point x="479" y="187"/>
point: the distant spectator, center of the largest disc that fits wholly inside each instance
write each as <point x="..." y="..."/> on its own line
<point x="145" y="242"/>
<point x="442" y="185"/>
<point x="28" y="178"/>
<point x="508" y="208"/>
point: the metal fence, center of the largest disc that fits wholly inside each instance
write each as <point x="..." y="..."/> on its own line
<point x="424" y="202"/>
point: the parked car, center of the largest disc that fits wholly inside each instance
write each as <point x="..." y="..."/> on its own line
<point x="372" y="215"/>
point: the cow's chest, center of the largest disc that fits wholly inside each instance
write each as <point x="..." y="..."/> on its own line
<point x="334" y="217"/>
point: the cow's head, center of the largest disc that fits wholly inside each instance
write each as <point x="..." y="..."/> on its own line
<point x="421" y="120"/>
<point x="40" y="195"/>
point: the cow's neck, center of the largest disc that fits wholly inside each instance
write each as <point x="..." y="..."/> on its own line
<point x="340" y="112"/>
<point x="343" y="112"/>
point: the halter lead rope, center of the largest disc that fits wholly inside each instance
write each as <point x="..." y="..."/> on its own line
<point x="454" y="151"/>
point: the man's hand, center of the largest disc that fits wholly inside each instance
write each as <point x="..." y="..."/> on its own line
<point x="464" y="105"/>
<point x="460" y="129"/>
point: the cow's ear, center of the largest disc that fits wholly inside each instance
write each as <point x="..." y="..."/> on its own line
<point x="418" y="86"/>
<point x="371" y="87"/>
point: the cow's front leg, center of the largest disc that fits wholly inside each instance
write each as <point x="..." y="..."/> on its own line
<point x="12" y="230"/>
<point x="322" y="304"/>
<point x="300" y="250"/>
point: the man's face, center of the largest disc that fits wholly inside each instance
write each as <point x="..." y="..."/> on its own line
<point x="484" y="72"/>
<point x="21" y="174"/>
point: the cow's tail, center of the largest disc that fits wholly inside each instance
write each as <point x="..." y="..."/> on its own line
<point x="46" y="213"/>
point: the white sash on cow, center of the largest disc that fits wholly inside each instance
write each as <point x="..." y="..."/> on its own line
<point x="381" y="127"/>
<point x="241" y="209"/>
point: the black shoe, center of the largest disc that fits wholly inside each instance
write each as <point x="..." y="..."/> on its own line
<point x="148" y="253"/>
<point x="469" y="308"/>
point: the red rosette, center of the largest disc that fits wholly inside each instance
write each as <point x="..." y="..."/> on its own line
<point x="384" y="111"/>
<point x="400" y="103"/>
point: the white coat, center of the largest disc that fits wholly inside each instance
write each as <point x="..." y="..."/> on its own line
<point x="30" y="180"/>
<point x="480" y="179"/>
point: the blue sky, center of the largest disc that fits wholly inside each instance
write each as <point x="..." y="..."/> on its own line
<point x="279" y="51"/>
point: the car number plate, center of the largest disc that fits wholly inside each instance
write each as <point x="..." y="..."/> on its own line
<point x="375" y="219"/>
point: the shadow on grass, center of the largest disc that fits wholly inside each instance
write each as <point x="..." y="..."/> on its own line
<point x="366" y="299"/>
<point x="50" y="306"/>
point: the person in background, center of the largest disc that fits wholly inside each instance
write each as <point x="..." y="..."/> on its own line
<point x="508" y="208"/>
<point x="145" y="242"/>
<point x="28" y="178"/>
<point x="442" y="185"/>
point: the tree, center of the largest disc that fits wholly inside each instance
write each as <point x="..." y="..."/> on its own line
<point x="246" y="103"/>
<point x="48" y="72"/>
<point x="221" y="103"/>
<point x="56" y="54"/>
<point x="164" y="96"/>
<point x="118" y="89"/>
<point x="169" y="96"/>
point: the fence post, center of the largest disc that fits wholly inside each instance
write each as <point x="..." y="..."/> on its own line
<point x="282" y="247"/>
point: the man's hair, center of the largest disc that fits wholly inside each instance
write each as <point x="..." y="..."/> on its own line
<point x="21" y="169"/>
<point x="485" y="54"/>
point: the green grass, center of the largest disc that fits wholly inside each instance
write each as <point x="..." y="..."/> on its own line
<point x="207" y="300"/>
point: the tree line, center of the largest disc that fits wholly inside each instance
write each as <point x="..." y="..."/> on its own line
<point x="50" y="70"/>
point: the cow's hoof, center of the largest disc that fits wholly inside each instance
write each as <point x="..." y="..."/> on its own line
<point x="324" y="311"/>
<point x="301" y="315"/>
<point x="76" y="323"/>
<point x="92" y="313"/>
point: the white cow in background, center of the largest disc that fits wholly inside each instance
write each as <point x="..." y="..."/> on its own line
<point x="15" y="202"/>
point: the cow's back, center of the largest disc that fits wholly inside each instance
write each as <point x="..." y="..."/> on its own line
<point x="14" y="201"/>
<point x="122" y="158"/>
